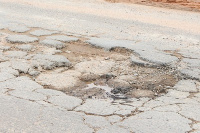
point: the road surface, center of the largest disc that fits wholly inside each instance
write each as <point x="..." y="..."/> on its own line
<point x="89" y="66"/>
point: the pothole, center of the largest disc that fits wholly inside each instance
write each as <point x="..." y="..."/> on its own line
<point x="110" y="74"/>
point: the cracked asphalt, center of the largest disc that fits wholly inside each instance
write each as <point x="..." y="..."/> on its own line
<point x="144" y="70"/>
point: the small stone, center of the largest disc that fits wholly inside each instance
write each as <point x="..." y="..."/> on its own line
<point x="67" y="51"/>
<point x="108" y="76"/>
<point x="121" y="90"/>
<point x="107" y="58"/>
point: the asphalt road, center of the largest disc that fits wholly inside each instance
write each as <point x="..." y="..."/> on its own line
<point x="93" y="17"/>
<point x="44" y="48"/>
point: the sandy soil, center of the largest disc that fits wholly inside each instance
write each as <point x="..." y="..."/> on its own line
<point x="189" y="5"/>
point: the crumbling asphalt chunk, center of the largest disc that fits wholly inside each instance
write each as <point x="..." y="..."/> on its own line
<point x="21" y="39"/>
<point x="53" y="43"/>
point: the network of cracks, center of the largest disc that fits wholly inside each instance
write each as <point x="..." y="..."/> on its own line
<point x="70" y="64"/>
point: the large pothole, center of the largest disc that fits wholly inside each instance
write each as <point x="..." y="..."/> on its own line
<point x="110" y="74"/>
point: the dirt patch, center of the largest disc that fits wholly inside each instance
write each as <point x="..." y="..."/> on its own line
<point x="189" y="5"/>
<point x="79" y="51"/>
<point x="112" y="70"/>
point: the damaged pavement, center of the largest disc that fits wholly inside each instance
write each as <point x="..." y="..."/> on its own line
<point x="57" y="81"/>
